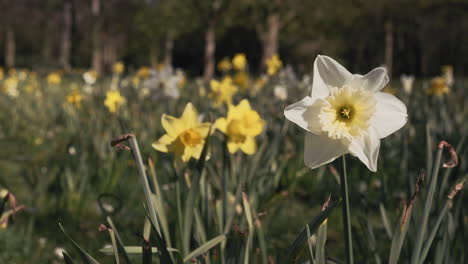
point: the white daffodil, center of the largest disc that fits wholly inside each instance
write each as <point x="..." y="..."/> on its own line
<point x="407" y="82"/>
<point x="280" y="92"/>
<point x="346" y="113"/>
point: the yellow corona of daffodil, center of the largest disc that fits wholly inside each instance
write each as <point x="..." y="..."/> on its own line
<point x="113" y="101"/>
<point x="224" y="65"/>
<point x="118" y="67"/>
<point x="241" y="126"/>
<point x="273" y="64"/>
<point x="222" y="92"/>
<point x="185" y="136"/>
<point x="75" y="97"/>
<point x="239" y="62"/>
<point x="54" y="78"/>
<point x="242" y="80"/>
<point x="438" y="86"/>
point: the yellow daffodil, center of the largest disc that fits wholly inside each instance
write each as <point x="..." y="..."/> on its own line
<point x="90" y="77"/>
<point x="10" y="86"/>
<point x="239" y="62"/>
<point x="224" y="65"/>
<point x="185" y="136"/>
<point x="113" y="101"/>
<point x="241" y="126"/>
<point x="2" y="74"/>
<point x="12" y="72"/>
<point x="54" y="78"/>
<point x="75" y="97"/>
<point x="160" y="66"/>
<point x="242" y="80"/>
<point x="273" y="64"/>
<point x="438" y="86"/>
<point x="118" y="67"/>
<point x="143" y="72"/>
<point x="31" y="87"/>
<point x="346" y="113"/>
<point x="222" y="92"/>
<point x="259" y="84"/>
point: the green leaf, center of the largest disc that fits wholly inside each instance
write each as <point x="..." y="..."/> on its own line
<point x="134" y="250"/>
<point x="205" y="247"/>
<point x="83" y="255"/>
<point x="299" y="242"/>
<point x="67" y="258"/>
<point x="192" y="197"/>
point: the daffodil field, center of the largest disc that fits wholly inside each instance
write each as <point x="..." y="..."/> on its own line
<point x="154" y="166"/>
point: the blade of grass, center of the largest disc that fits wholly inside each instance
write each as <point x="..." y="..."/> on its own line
<point x="67" y="258"/>
<point x="120" y="243"/>
<point x="205" y="247"/>
<point x="85" y="257"/>
<point x="309" y="243"/>
<point x="298" y="243"/>
<point x="192" y="197"/>
<point x="144" y="181"/>
<point x="427" y="208"/>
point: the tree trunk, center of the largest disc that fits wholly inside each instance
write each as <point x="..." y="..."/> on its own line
<point x="210" y="48"/>
<point x="47" y="41"/>
<point x="270" y="38"/>
<point x="389" y="48"/>
<point x="168" y="47"/>
<point x="97" y="48"/>
<point x="10" y="47"/>
<point x="66" y="36"/>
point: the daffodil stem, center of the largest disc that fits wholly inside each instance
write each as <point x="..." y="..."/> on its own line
<point x="346" y="214"/>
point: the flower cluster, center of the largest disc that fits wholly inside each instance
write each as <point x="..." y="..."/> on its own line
<point x="185" y="136"/>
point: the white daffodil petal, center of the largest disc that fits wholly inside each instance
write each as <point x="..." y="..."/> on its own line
<point x="390" y="114"/>
<point x="320" y="150"/>
<point x="374" y="81"/>
<point x="366" y="148"/>
<point x="295" y="112"/>
<point x="327" y="73"/>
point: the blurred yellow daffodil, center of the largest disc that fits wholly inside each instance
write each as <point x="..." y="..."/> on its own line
<point x="2" y="74"/>
<point x="222" y="92"/>
<point x="224" y="65"/>
<point x="143" y="72"/>
<point x="241" y="126"/>
<point x="185" y="136"/>
<point x="242" y="80"/>
<point x="54" y="78"/>
<point x="273" y="64"/>
<point x="438" y="86"/>
<point x="10" y="86"/>
<point x="113" y="101"/>
<point x="75" y="97"/>
<point x="239" y="62"/>
<point x="118" y="67"/>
